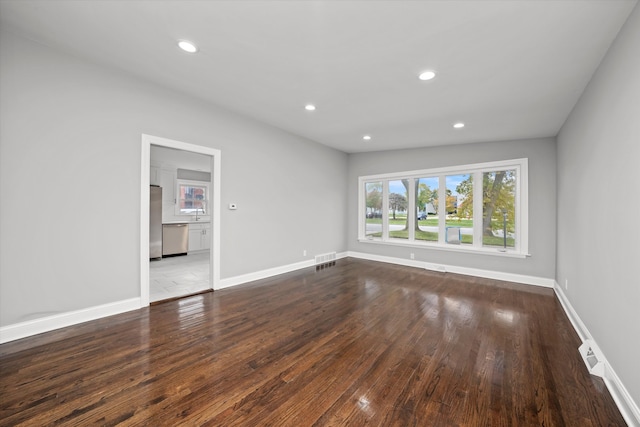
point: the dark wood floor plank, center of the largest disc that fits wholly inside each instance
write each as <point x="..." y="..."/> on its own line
<point x="358" y="343"/>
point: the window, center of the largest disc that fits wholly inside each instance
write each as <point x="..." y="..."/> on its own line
<point x="498" y="208"/>
<point x="459" y="213"/>
<point x="398" y="219"/>
<point x="427" y="221"/>
<point x="373" y="200"/>
<point x="192" y="197"/>
<point x="484" y="208"/>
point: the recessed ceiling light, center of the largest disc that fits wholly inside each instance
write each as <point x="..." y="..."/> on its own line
<point x="427" y="75"/>
<point x="310" y="107"/>
<point x="187" y="46"/>
<point x="367" y="137"/>
<point x="458" y="125"/>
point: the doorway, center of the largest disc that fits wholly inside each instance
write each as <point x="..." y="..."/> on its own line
<point x="213" y="238"/>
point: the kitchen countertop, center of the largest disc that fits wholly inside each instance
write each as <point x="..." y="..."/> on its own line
<point x="185" y="222"/>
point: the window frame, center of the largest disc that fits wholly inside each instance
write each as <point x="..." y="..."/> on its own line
<point x="521" y="207"/>
<point x="192" y="183"/>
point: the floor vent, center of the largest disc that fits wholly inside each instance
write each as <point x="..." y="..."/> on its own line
<point x="325" y="260"/>
<point x="590" y="355"/>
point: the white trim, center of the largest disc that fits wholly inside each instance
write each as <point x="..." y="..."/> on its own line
<point x="145" y="180"/>
<point x="522" y="207"/>
<point x="628" y="408"/>
<point x="50" y="323"/>
<point x="270" y="272"/>
<point x="442" y="210"/>
<point x="478" y="200"/>
<point x="214" y="264"/>
<point x="576" y="322"/>
<point x="625" y="403"/>
<point x="462" y="169"/>
<point x="488" y="274"/>
<point x="214" y="261"/>
<point x="446" y="247"/>
<point x="411" y="209"/>
<point x="45" y="324"/>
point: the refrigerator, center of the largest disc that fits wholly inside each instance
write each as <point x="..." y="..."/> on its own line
<point x="155" y="222"/>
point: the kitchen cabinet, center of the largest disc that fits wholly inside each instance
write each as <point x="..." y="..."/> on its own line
<point x="199" y="237"/>
<point x="168" y="183"/>
<point x="154" y="177"/>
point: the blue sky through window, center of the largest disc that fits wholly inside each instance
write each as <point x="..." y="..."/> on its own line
<point x="453" y="181"/>
<point x="397" y="187"/>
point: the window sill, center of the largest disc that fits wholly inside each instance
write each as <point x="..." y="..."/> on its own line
<point x="451" y="248"/>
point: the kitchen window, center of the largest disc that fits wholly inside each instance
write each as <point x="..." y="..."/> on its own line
<point x="193" y="197"/>
<point x="481" y="208"/>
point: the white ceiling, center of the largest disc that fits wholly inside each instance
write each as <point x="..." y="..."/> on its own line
<point x="509" y="69"/>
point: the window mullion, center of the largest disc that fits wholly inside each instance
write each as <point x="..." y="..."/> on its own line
<point x="521" y="207"/>
<point x="385" y="210"/>
<point x="411" y="208"/>
<point x="477" y="209"/>
<point x="362" y="197"/>
<point x="442" y="208"/>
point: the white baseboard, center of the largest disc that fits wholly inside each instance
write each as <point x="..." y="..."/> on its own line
<point x="264" y="274"/>
<point x="628" y="408"/>
<point x="621" y="396"/>
<point x="578" y="325"/>
<point x="62" y="320"/>
<point x="269" y="272"/>
<point x="488" y="274"/>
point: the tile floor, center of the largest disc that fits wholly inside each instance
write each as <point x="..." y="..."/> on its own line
<point x="177" y="276"/>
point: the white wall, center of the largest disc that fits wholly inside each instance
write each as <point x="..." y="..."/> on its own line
<point x="69" y="190"/>
<point x="70" y="144"/>
<point x="542" y="201"/>
<point x="599" y="205"/>
<point x="174" y="159"/>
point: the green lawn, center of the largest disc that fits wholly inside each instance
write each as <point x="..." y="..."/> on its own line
<point x="498" y="241"/>
<point x="431" y="221"/>
<point x="429" y="236"/>
<point x="433" y="236"/>
<point x="420" y="235"/>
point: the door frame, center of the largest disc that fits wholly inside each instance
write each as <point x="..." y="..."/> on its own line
<point x="145" y="170"/>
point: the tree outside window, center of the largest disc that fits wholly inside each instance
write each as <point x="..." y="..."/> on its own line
<point x="427" y="219"/>
<point x="373" y="212"/>
<point x="398" y="203"/>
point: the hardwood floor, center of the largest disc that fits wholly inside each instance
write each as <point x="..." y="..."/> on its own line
<point x="359" y="343"/>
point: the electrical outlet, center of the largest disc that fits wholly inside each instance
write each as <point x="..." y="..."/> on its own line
<point x="412" y="256"/>
<point x="566" y="284"/>
<point x="304" y="252"/>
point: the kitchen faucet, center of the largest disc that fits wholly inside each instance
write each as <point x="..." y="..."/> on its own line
<point x="197" y="209"/>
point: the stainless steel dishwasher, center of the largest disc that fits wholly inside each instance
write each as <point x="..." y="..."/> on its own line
<point x="175" y="239"/>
